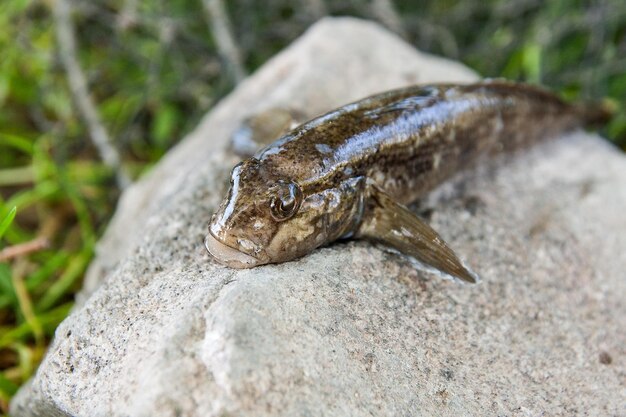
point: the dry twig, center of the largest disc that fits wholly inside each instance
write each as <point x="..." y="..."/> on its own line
<point x="385" y="12"/>
<point x="316" y="9"/>
<point x="78" y="87"/>
<point x="128" y="18"/>
<point x="23" y="248"/>
<point x="221" y="29"/>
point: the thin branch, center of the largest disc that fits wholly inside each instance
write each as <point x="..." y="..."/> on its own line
<point x="22" y="249"/>
<point x="128" y="18"/>
<point x="316" y="9"/>
<point x="78" y="87"/>
<point x="221" y="28"/>
<point x="385" y="12"/>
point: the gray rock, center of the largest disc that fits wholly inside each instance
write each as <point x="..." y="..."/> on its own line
<point x="352" y="330"/>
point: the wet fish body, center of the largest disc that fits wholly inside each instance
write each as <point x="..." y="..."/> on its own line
<point x="350" y="172"/>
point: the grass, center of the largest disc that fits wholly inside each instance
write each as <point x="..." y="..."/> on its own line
<point x="155" y="72"/>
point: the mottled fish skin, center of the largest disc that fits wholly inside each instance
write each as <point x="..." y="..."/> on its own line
<point x="315" y="184"/>
<point x="410" y="140"/>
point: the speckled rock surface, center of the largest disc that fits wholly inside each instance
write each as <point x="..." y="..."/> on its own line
<point x="352" y="330"/>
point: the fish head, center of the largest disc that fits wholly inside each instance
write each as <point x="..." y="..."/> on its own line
<point x="267" y="218"/>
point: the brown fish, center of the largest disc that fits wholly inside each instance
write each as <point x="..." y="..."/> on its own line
<point x="349" y="172"/>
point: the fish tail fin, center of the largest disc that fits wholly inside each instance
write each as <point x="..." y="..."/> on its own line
<point x="595" y="115"/>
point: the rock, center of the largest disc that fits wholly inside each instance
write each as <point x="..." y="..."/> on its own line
<point x="352" y="330"/>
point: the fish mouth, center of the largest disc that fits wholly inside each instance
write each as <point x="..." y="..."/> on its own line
<point x="229" y="256"/>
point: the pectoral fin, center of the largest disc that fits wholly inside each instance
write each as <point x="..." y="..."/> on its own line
<point x="394" y="225"/>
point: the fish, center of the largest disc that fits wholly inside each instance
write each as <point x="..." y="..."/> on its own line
<point x="350" y="173"/>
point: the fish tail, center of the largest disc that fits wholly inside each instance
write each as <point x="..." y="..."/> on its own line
<point x="595" y="115"/>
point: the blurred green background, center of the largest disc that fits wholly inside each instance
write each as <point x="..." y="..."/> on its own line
<point x="154" y="67"/>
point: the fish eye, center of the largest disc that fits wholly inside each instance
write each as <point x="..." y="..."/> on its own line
<point x="285" y="200"/>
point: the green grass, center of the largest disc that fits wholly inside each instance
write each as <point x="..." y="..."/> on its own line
<point x="154" y="78"/>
